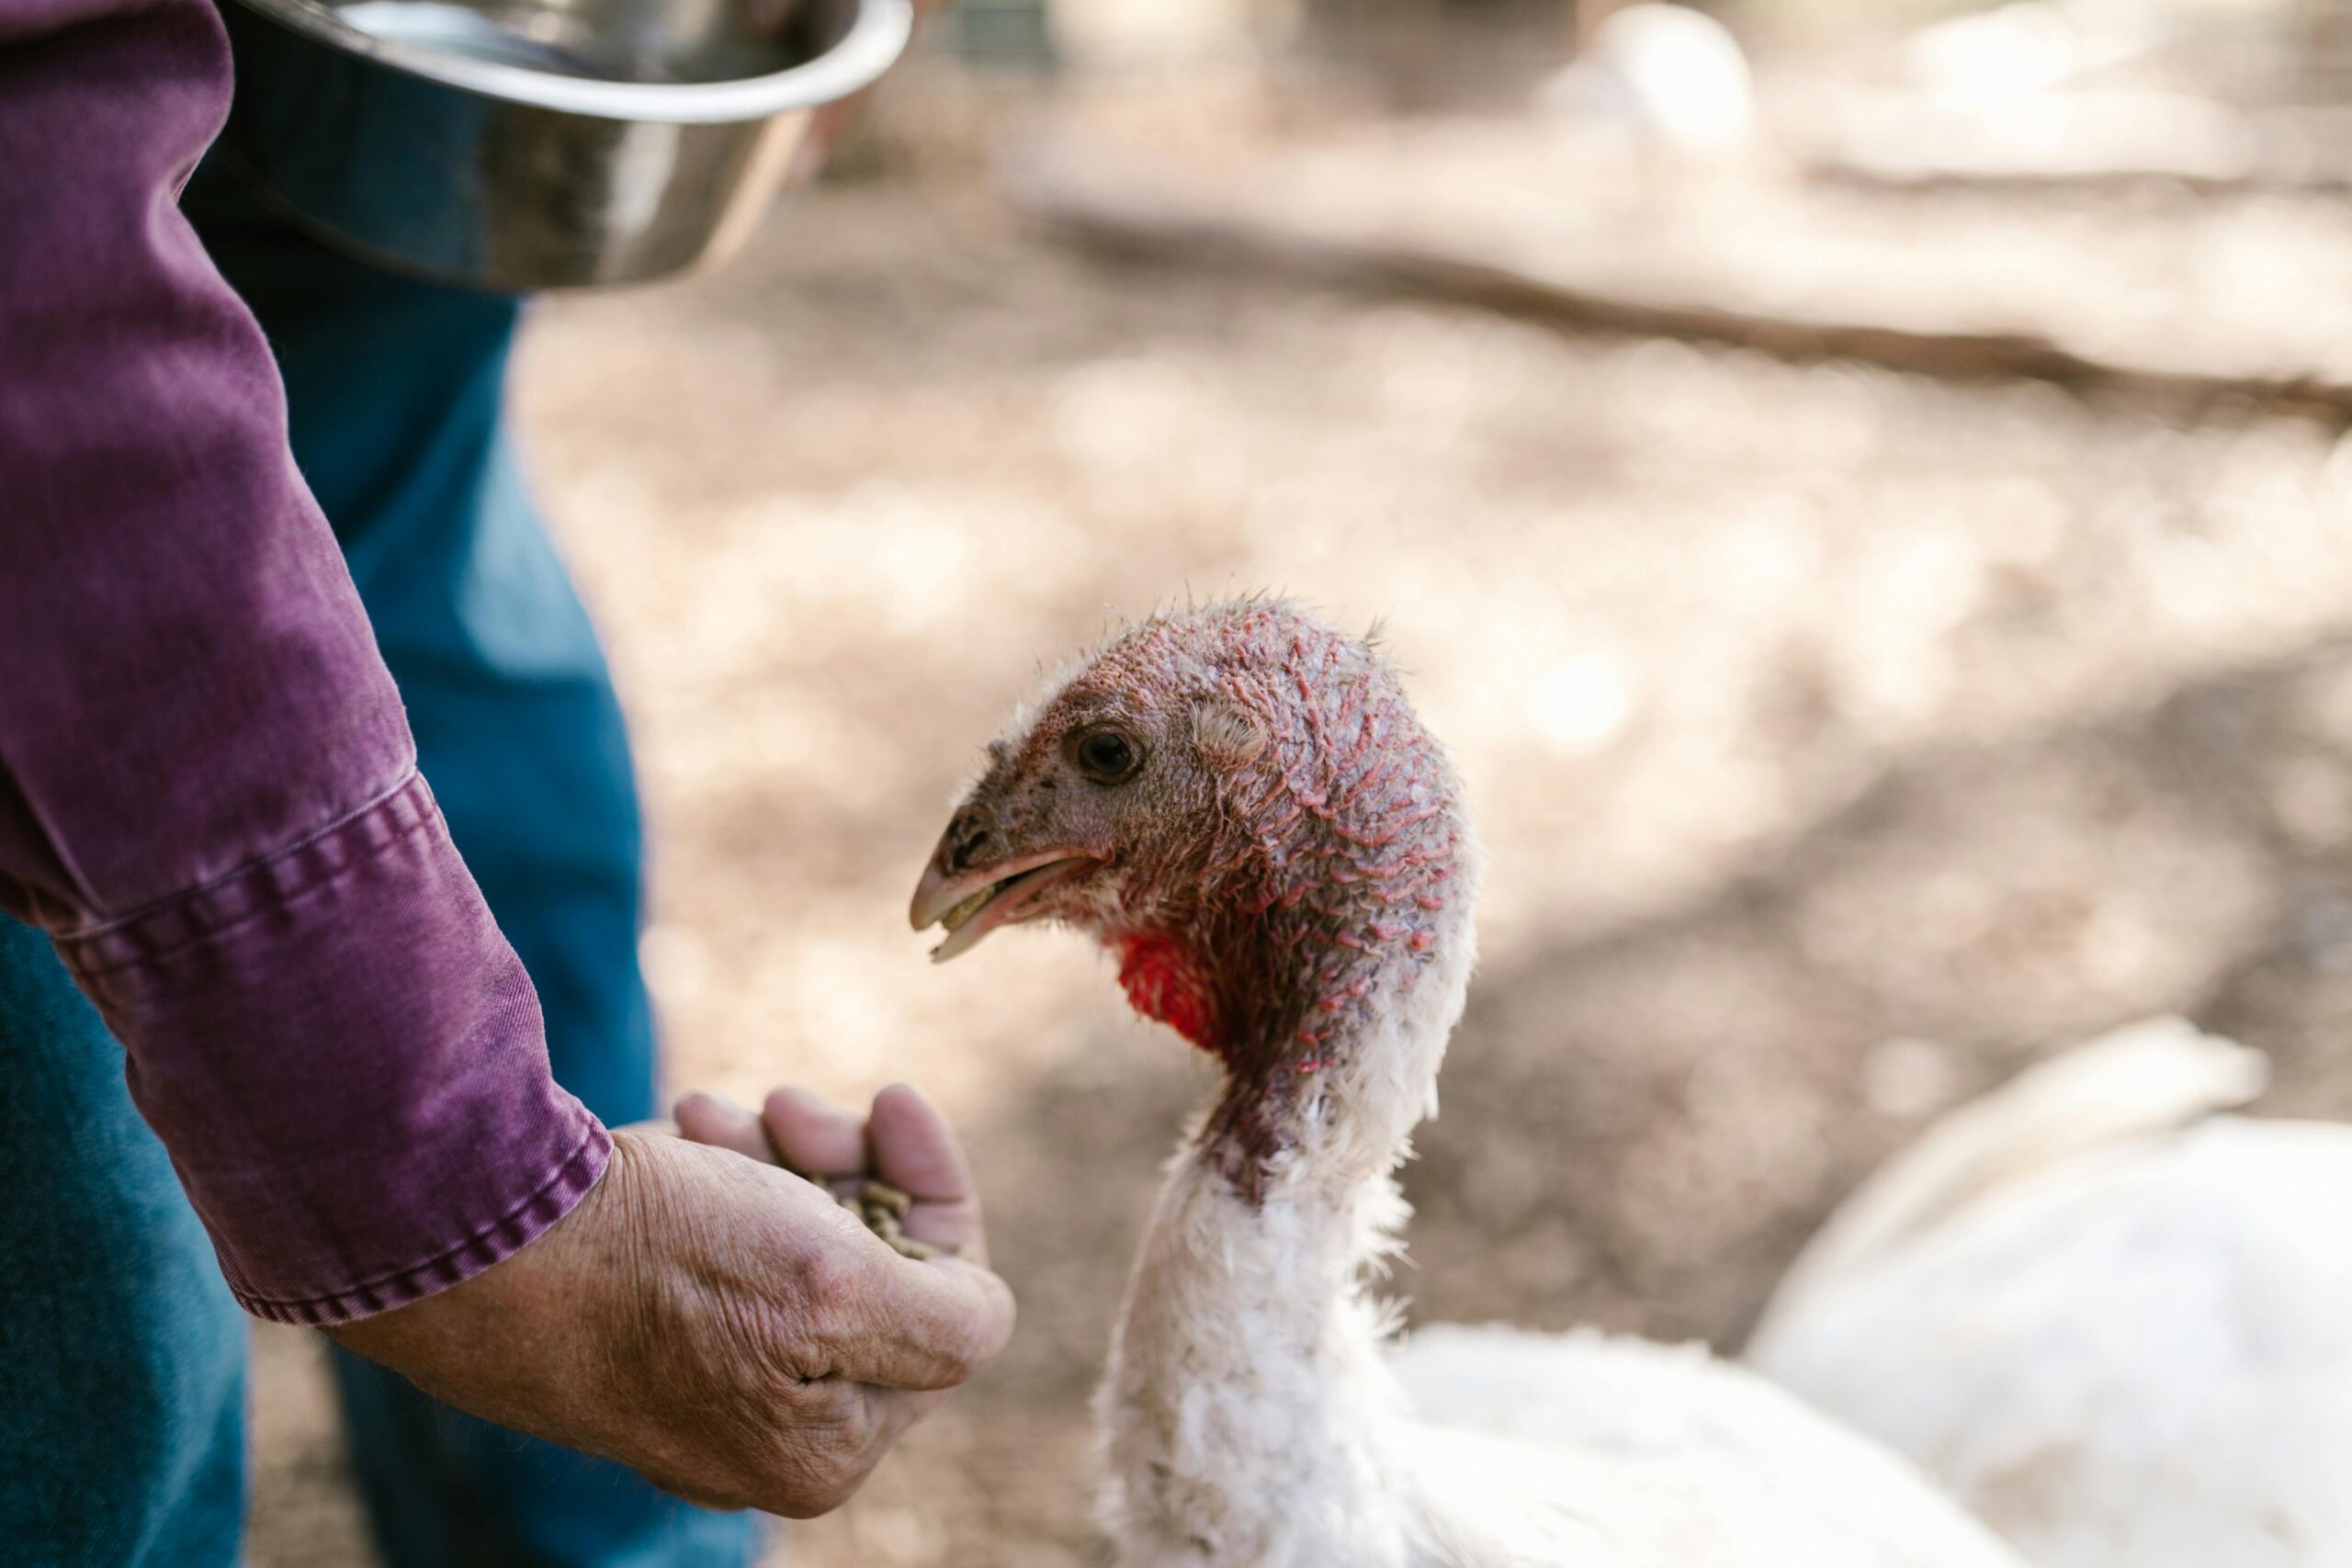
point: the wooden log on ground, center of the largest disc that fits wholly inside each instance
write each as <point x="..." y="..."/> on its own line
<point x="2063" y="143"/>
<point x="1115" y="207"/>
<point x="2123" y="179"/>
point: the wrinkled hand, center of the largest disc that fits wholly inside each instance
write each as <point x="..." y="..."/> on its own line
<point x="905" y="1143"/>
<point x="717" y="1324"/>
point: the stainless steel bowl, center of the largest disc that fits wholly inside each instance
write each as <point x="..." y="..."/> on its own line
<point x="514" y="145"/>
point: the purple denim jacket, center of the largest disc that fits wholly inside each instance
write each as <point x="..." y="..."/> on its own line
<point x="209" y="795"/>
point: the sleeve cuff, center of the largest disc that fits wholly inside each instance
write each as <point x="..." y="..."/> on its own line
<point x="493" y="1244"/>
<point x="348" y="1064"/>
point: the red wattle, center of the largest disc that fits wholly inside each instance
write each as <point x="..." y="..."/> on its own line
<point x="1164" y="982"/>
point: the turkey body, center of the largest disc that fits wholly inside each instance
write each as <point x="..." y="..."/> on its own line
<point x="1689" y="1439"/>
<point x="1242" y="807"/>
<point x="2129" y="1346"/>
<point x="1657" y="75"/>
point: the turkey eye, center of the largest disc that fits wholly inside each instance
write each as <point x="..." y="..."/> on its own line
<point x="1107" y="757"/>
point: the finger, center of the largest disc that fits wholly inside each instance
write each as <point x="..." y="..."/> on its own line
<point x="813" y="1135"/>
<point x="916" y="1151"/>
<point x="832" y="123"/>
<point x="719" y="1122"/>
<point x="931" y="1326"/>
<point x="826" y="127"/>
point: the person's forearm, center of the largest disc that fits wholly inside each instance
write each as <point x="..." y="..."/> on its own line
<point x="207" y="789"/>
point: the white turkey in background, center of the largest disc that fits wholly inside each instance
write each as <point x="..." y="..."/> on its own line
<point x="2117" y="1322"/>
<point x="1656" y="77"/>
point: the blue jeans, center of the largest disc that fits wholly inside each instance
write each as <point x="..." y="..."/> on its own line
<point x="122" y="1360"/>
<point x="125" y="1445"/>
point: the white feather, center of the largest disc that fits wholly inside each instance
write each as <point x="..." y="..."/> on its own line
<point x="1252" y="1416"/>
<point x="1658" y="75"/>
<point x="2148" y="1077"/>
<point x="2117" y="1326"/>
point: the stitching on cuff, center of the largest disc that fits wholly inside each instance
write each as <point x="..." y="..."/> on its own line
<point x="213" y="909"/>
<point x="574" y="1176"/>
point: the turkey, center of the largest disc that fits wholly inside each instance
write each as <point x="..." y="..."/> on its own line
<point x="2118" y="1324"/>
<point x="1238" y="805"/>
<point x="1657" y="77"/>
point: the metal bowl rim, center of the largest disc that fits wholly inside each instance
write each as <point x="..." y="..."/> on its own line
<point x="878" y="35"/>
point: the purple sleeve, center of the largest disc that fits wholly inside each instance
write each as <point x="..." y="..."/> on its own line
<point x="207" y="791"/>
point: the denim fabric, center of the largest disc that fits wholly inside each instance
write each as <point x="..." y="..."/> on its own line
<point x="394" y="394"/>
<point x="122" y="1360"/>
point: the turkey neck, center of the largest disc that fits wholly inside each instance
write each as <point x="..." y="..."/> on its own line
<point x="1244" y="1406"/>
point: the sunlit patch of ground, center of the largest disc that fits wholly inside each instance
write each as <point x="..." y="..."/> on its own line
<point x="1841" y="741"/>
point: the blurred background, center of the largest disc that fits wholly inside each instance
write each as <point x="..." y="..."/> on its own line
<point x="1859" y="484"/>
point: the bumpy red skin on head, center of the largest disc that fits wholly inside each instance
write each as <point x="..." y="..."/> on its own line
<point x="1320" y="874"/>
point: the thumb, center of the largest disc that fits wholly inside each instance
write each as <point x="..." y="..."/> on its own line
<point x="931" y="1326"/>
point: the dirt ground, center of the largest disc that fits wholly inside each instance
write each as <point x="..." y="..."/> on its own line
<point x="1843" y="740"/>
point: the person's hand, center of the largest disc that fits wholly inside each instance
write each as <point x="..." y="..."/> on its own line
<point x="830" y="126"/>
<point x="717" y="1324"/>
<point x="904" y="1142"/>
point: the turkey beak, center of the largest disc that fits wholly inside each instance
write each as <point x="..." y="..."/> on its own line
<point x="970" y="887"/>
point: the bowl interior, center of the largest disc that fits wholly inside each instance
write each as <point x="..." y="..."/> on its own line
<point x="608" y="40"/>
